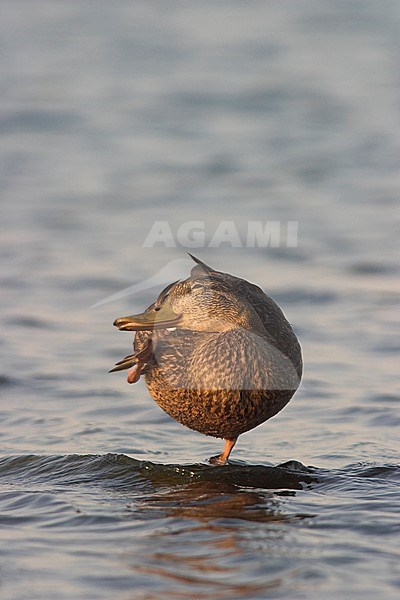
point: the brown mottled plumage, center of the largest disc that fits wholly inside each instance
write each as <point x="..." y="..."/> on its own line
<point x="217" y="354"/>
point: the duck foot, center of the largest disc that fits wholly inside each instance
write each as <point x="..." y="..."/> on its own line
<point x="216" y="460"/>
<point x="222" y="458"/>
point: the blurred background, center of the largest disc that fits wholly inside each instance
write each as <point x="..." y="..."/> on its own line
<point x="117" y="115"/>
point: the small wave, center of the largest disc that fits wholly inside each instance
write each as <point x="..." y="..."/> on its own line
<point x="119" y="470"/>
<point x="91" y="490"/>
<point x="72" y="469"/>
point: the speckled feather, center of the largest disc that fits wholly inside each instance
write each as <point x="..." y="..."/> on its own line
<point x="223" y="383"/>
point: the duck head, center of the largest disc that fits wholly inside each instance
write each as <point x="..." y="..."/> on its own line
<point x="206" y="301"/>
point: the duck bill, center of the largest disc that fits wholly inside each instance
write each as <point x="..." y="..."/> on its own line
<point x="151" y="319"/>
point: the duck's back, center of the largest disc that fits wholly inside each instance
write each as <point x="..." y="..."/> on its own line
<point x="278" y="329"/>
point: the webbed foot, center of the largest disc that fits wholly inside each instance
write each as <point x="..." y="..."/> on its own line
<point x="217" y="460"/>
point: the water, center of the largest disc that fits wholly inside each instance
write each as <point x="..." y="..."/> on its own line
<point x="117" y="115"/>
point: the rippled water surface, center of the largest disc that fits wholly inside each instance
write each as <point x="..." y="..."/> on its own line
<point x="118" y="115"/>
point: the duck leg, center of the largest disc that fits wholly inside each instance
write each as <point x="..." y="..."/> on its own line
<point x="222" y="459"/>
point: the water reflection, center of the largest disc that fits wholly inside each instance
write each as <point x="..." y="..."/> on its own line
<point x="207" y="500"/>
<point x="212" y="535"/>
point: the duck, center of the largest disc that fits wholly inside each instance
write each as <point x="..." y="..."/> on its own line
<point x="217" y="354"/>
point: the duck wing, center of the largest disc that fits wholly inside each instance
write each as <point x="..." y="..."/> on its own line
<point x="277" y="328"/>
